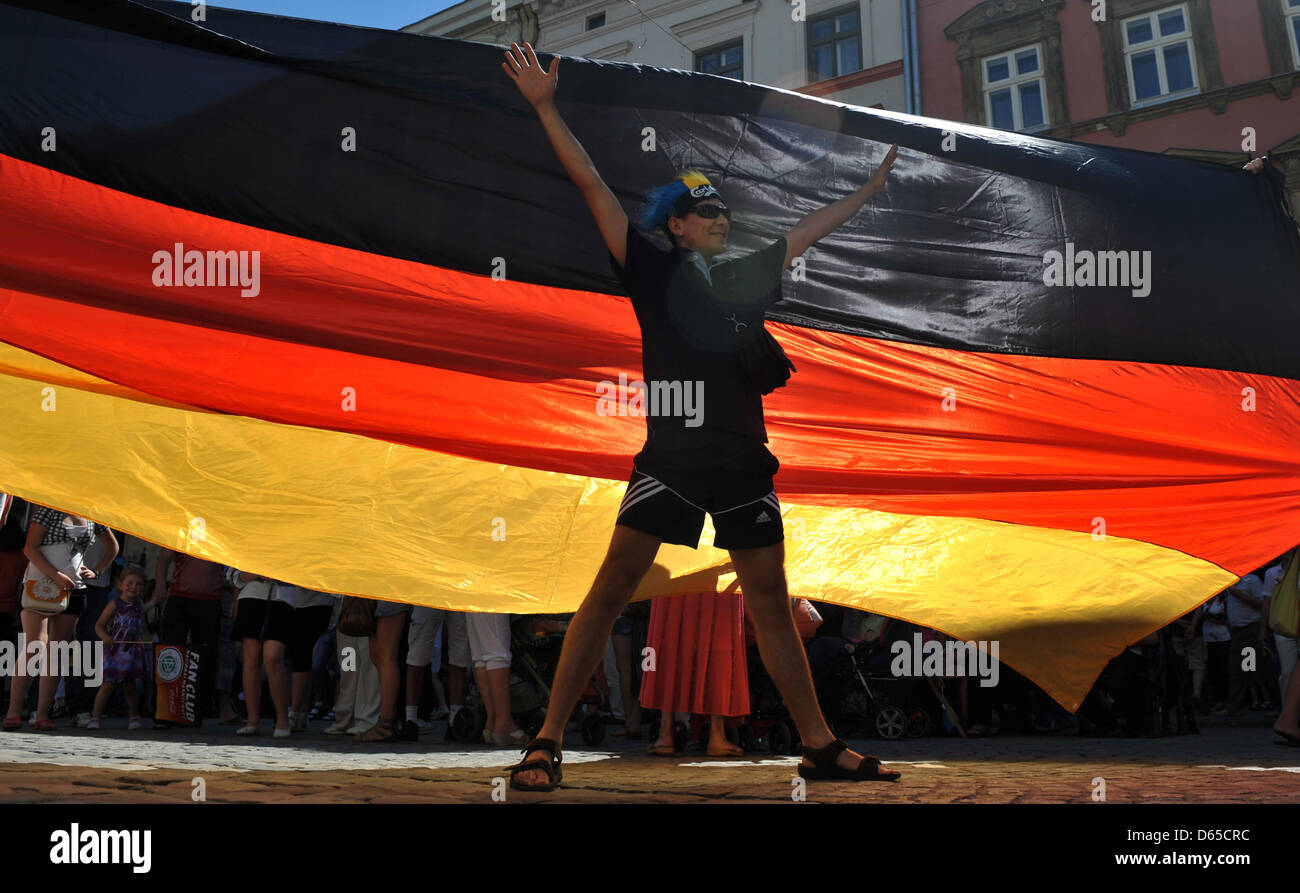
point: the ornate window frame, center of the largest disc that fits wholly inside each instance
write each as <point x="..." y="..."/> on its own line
<point x="999" y="26"/>
<point x="1156" y="46"/>
<point x="1279" y="39"/>
<point x="1209" y="76"/>
<point x="1013" y="83"/>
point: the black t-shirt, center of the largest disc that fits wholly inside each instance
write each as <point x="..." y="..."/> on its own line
<point x="692" y="330"/>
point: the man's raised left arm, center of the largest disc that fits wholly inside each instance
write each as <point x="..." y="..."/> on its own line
<point x="820" y="223"/>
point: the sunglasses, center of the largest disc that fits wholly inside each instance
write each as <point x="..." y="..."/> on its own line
<point x="709" y="212"/>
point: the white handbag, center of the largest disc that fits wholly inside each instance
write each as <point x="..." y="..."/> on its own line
<point x="42" y="594"/>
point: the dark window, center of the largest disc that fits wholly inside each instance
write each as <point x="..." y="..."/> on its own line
<point x="596" y="21"/>
<point x="727" y="60"/>
<point x="834" y="44"/>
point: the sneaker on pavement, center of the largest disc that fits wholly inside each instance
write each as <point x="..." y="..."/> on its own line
<point x="282" y="733"/>
<point x="91" y="724"/>
<point x="135" y="724"/>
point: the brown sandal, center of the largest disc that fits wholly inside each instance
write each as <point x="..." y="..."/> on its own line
<point x="824" y="767"/>
<point x="552" y="768"/>
<point x="381" y="732"/>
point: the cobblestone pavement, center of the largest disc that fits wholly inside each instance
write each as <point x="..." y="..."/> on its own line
<point x="1220" y="765"/>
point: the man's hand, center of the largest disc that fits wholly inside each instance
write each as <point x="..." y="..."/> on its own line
<point x="877" y="181"/>
<point x="1255" y="165"/>
<point x="538" y="86"/>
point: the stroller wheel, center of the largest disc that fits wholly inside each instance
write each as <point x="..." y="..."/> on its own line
<point x="593" y="730"/>
<point x="919" y="723"/>
<point x="890" y="722"/>
<point x="780" y="739"/>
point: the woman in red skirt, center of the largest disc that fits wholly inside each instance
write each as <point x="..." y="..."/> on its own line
<point x="697" y="665"/>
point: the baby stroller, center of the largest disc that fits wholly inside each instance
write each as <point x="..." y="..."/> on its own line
<point x="859" y="694"/>
<point x="769" y="726"/>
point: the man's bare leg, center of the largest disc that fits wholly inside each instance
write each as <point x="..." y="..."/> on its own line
<point x="762" y="580"/>
<point x="630" y="555"/>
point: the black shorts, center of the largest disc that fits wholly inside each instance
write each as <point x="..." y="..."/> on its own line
<point x="744" y="508"/>
<point x="308" y="625"/>
<point x="262" y="620"/>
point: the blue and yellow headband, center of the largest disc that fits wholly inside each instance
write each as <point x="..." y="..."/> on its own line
<point x="675" y="199"/>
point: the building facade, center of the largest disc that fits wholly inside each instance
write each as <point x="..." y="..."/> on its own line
<point x="850" y="51"/>
<point x="1199" y="78"/>
<point x="1206" y="79"/>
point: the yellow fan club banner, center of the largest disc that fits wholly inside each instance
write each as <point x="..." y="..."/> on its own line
<point x="342" y="513"/>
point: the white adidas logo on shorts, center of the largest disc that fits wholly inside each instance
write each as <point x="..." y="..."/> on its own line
<point x="763" y="517"/>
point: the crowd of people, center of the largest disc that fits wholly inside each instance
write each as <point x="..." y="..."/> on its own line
<point x="271" y="650"/>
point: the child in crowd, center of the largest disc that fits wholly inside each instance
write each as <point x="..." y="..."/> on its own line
<point x="125" y="661"/>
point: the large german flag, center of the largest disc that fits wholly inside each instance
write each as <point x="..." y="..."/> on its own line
<point x="319" y="302"/>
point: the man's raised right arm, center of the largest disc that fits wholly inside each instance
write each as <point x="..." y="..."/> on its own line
<point x="538" y="87"/>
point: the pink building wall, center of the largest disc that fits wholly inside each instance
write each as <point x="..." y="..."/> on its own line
<point x="1242" y="59"/>
<point x="940" y="77"/>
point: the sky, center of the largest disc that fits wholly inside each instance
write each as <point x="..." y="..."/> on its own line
<point x="391" y="14"/>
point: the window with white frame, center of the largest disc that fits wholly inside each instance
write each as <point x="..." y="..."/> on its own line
<point x="1291" y="9"/>
<point x="1014" y="90"/>
<point x="1159" y="55"/>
